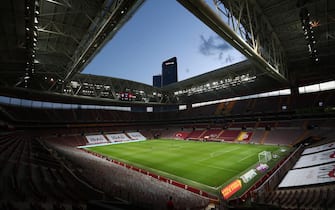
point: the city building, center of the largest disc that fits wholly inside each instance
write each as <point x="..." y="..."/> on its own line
<point x="169" y="71"/>
<point x="157" y="80"/>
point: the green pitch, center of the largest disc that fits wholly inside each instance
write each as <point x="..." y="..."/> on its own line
<point x="205" y="165"/>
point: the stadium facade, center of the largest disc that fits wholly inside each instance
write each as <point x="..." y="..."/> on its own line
<point x="281" y="97"/>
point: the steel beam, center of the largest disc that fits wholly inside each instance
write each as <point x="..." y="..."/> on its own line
<point x="64" y="3"/>
<point x="243" y="33"/>
<point x="82" y="56"/>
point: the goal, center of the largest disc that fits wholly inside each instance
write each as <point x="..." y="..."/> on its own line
<point x="264" y="156"/>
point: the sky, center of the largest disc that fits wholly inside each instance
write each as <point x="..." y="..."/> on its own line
<point x="158" y="31"/>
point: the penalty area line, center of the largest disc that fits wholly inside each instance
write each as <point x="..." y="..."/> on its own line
<point x="245" y="158"/>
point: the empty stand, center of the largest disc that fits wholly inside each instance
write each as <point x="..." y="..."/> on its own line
<point x="212" y="133"/>
<point x="196" y="134"/>
<point x="229" y="135"/>
<point x="30" y="174"/>
<point x="73" y="140"/>
<point x="265" y="105"/>
<point x="283" y="136"/>
<point x="310" y="198"/>
<point x="257" y="135"/>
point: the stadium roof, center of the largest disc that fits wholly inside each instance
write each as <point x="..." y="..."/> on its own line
<point x="270" y="33"/>
<point x="44" y="46"/>
<point x="55" y="38"/>
<point x="285" y="18"/>
<point x="243" y="78"/>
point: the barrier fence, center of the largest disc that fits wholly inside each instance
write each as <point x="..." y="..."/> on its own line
<point x="274" y="179"/>
<point x="271" y="179"/>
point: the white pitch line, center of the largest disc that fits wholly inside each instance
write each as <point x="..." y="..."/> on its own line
<point x="223" y="152"/>
<point x="216" y="167"/>
<point x="213" y="154"/>
<point x="245" y="158"/>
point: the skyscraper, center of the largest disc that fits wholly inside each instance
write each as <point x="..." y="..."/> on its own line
<point x="157" y="81"/>
<point x="169" y="71"/>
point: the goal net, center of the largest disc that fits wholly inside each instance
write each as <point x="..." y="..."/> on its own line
<point x="264" y="156"/>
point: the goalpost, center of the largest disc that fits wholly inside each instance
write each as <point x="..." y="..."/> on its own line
<point x="264" y="156"/>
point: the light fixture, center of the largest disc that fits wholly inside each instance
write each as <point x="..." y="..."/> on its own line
<point x="307" y="26"/>
<point x="31" y="25"/>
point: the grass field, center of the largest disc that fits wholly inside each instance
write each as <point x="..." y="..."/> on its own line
<point x="205" y="165"/>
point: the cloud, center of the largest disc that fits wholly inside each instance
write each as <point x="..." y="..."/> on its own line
<point x="217" y="48"/>
<point x="213" y="45"/>
<point x="229" y="59"/>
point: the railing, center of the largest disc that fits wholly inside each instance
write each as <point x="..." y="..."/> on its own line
<point x="270" y="183"/>
<point x="270" y="180"/>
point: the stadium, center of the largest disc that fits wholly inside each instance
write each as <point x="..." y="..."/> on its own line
<point x="257" y="134"/>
